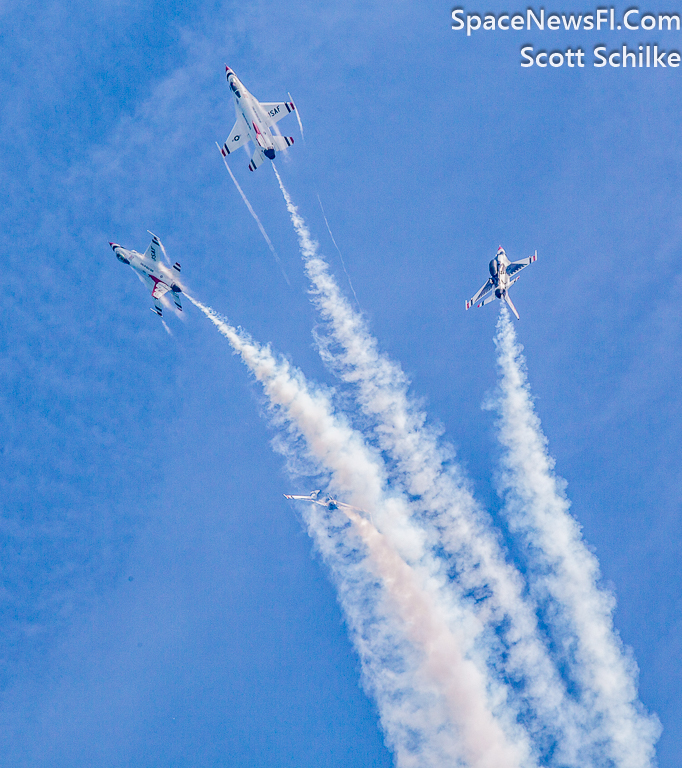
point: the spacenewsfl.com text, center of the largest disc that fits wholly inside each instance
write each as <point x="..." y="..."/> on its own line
<point x="626" y="56"/>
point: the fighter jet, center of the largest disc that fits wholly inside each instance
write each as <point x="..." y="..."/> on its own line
<point x="499" y="282"/>
<point x="159" y="278"/>
<point x="254" y="123"/>
<point x="329" y="501"/>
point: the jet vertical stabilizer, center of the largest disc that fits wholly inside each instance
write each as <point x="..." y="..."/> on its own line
<point x="511" y="305"/>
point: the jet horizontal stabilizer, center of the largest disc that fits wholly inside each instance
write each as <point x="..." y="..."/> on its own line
<point x="257" y="159"/>
<point x="282" y="142"/>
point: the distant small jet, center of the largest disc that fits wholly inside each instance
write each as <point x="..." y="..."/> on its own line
<point x="159" y="278"/>
<point x="254" y="123"/>
<point x="328" y="501"/>
<point x="499" y="282"/>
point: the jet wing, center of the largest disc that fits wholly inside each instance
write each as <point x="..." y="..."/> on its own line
<point x="276" y="110"/>
<point x="517" y="266"/>
<point x="160" y="289"/>
<point x="298" y="498"/>
<point x="488" y="286"/>
<point x="239" y="135"/>
<point x="154" y="250"/>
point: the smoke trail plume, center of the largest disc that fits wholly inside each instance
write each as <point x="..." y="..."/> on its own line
<point x="563" y="570"/>
<point x="425" y="469"/>
<point x="408" y="576"/>
<point x="255" y="216"/>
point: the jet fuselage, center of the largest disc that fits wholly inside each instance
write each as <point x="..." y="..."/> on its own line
<point x="253" y="113"/>
<point x="155" y="270"/>
<point x="159" y="278"/>
<point x="498" y="272"/>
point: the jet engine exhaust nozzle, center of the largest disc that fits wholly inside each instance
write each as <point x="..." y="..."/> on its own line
<point x="269" y="153"/>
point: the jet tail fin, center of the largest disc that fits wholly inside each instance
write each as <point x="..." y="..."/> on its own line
<point x="511" y="305"/>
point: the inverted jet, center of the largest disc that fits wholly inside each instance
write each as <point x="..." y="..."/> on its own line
<point x="327" y="501"/>
<point x="159" y="278"/>
<point x="501" y="278"/>
<point x="255" y="121"/>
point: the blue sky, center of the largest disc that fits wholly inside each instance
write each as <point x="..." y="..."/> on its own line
<point x="161" y="604"/>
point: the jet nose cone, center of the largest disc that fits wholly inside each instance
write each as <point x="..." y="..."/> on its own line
<point x="114" y="245"/>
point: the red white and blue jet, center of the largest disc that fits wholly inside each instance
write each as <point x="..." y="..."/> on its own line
<point x="501" y="278"/>
<point x="157" y="276"/>
<point x="255" y="121"/>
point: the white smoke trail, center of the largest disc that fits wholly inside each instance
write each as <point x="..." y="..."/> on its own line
<point x="563" y="570"/>
<point x="424" y="467"/>
<point x="412" y="588"/>
<point x="427" y="629"/>
<point x="255" y="216"/>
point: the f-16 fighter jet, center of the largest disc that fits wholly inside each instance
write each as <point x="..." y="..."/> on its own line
<point x="500" y="280"/>
<point x="328" y="501"/>
<point x="159" y="278"/>
<point x="254" y="123"/>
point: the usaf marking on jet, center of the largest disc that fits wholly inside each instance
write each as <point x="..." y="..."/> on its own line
<point x="499" y="282"/>
<point x="254" y="123"/>
<point x="328" y="501"/>
<point x="159" y="278"/>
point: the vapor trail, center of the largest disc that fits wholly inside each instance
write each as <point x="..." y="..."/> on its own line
<point x="338" y="250"/>
<point x="424" y="467"/>
<point x="563" y="570"/>
<point x="255" y="216"/>
<point x="443" y="667"/>
<point x="298" y="117"/>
